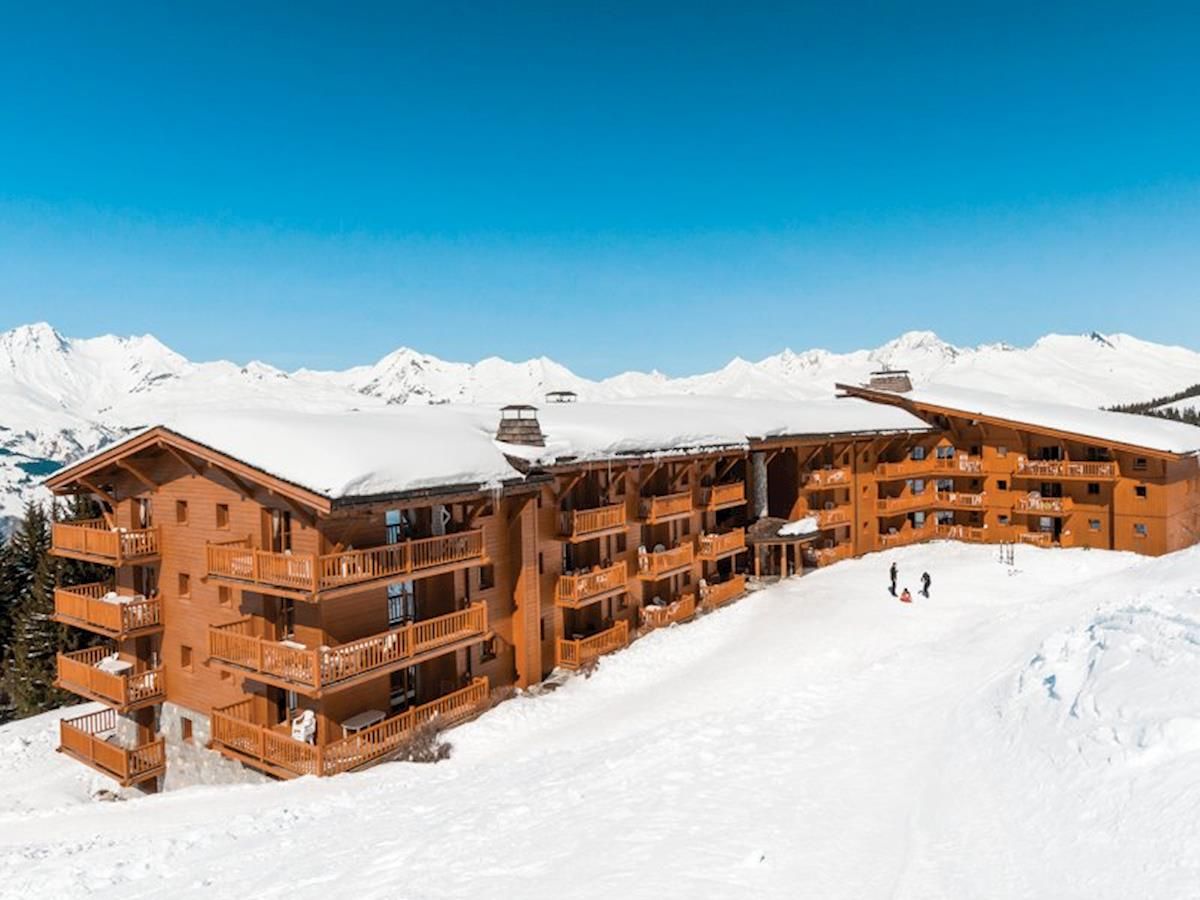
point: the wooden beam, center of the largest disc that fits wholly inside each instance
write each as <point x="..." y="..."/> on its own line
<point x="136" y="473"/>
<point x="562" y="491"/>
<point x="183" y="458"/>
<point x="727" y="468"/>
<point x="111" y="501"/>
<point x="246" y="490"/>
<point x="306" y="515"/>
<point x="474" y="509"/>
<point x="518" y="508"/>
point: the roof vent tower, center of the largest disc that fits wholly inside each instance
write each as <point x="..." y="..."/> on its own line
<point x="519" y="425"/>
<point x="894" y="380"/>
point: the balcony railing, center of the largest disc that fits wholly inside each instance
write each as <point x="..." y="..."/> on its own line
<point x="833" y="518"/>
<point x="313" y="670"/>
<point x="86" y="738"/>
<point x="114" y="612"/>
<point x="580" y="524"/>
<point x="717" y="546"/>
<point x="236" y="731"/>
<point x="574" y="654"/>
<point x="724" y="496"/>
<point x="827" y="556"/>
<point x="907" y="468"/>
<point x="906" y="535"/>
<point x="960" y="462"/>
<point x="1050" y="506"/>
<point x="905" y="503"/>
<point x="95" y="540"/>
<point x="577" y="590"/>
<point x="652" y="566"/>
<point x="666" y="507"/>
<point x="969" y="533"/>
<point x="98" y="674"/>
<point x="720" y="593"/>
<point x="819" y="479"/>
<point x="679" y="611"/>
<point x="1037" y="538"/>
<point x="1064" y="468"/>
<point x="310" y="575"/>
<point x="959" y="500"/>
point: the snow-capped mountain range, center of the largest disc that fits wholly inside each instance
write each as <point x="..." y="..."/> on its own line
<point x="61" y="397"/>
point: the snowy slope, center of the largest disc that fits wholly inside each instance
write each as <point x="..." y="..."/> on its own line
<point x="1025" y="732"/>
<point x="62" y="397"/>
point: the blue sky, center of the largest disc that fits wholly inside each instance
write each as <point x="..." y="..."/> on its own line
<point x="647" y="185"/>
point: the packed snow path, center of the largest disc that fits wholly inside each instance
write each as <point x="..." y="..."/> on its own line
<point x="1032" y="731"/>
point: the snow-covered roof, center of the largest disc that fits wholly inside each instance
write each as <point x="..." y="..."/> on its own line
<point x="1131" y="429"/>
<point x="398" y="449"/>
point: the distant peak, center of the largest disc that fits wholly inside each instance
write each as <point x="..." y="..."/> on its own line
<point x="1100" y="339"/>
<point x="36" y="336"/>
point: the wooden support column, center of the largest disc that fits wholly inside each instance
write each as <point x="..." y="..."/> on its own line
<point x="526" y="591"/>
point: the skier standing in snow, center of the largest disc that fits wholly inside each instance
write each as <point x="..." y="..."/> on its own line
<point x="894" y="572"/>
<point x="906" y="597"/>
<point x="926" y="581"/>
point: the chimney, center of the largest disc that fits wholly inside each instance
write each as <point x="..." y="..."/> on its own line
<point x="894" y="380"/>
<point x="519" y="425"/>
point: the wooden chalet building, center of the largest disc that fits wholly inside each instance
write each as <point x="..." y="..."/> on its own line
<point x="299" y="592"/>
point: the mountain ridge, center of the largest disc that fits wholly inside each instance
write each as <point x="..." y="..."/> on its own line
<point x="61" y="397"/>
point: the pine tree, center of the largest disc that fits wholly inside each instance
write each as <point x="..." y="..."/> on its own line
<point x="29" y="662"/>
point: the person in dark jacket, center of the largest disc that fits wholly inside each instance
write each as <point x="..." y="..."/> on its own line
<point x="893" y="572"/>
<point x="926" y="581"/>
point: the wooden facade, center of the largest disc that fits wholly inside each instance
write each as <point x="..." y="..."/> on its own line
<point x="313" y="636"/>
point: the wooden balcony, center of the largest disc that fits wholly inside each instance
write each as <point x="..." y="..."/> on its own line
<point x="891" y="506"/>
<point x="117" y="613"/>
<point x="237" y="734"/>
<point x="824" y="479"/>
<point x="720" y="593"/>
<point x="653" y="510"/>
<point x="90" y="740"/>
<point x="827" y="556"/>
<point x="318" y="670"/>
<point x="724" y="496"/>
<point x="95" y="673"/>
<point x="578" y="590"/>
<point x="718" y="546"/>
<point x="307" y="576"/>
<point x="969" y="533"/>
<point x="679" y="611"/>
<point x="907" y="468"/>
<point x="1064" y="469"/>
<point x="959" y="462"/>
<point x="653" y="566"/>
<point x="93" y="540"/>
<point x="959" y="500"/>
<point x="1034" y="504"/>
<point x="907" y="535"/>
<point x="579" y="652"/>
<point x="1037" y="538"/>
<point x="585" y="524"/>
<point x="833" y="518"/>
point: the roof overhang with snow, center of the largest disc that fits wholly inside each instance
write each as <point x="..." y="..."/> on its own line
<point x="1127" y="432"/>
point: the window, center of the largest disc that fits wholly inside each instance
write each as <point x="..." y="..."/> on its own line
<point x="685" y="528"/>
<point x="1093" y="488"/>
<point x="917" y="485"/>
<point x="185" y="729"/>
<point x="185" y="657"/>
<point x="225" y="595"/>
<point x="1001" y="450"/>
<point x="1139" y="491"/>
<point x="541" y="565"/>
<point x="918" y="453"/>
<point x="621" y="542"/>
<point x="401" y="602"/>
<point x="1140" y="530"/>
<point x="1002" y="485"/>
<point x="487" y="650"/>
<point x="181" y="512"/>
<point x="542" y="628"/>
<point x="944" y="452"/>
<point x="487" y="577"/>
<point x="1093" y="524"/>
<point x="185" y="584"/>
<point x="1140" y="464"/>
<point x="141" y="513"/>
<point x="918" y="519"/>
<point x="1002" y="519"/>
<point x="222" y="515"/>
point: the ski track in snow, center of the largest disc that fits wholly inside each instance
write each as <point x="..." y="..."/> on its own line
<point x="1026" y="732"/>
